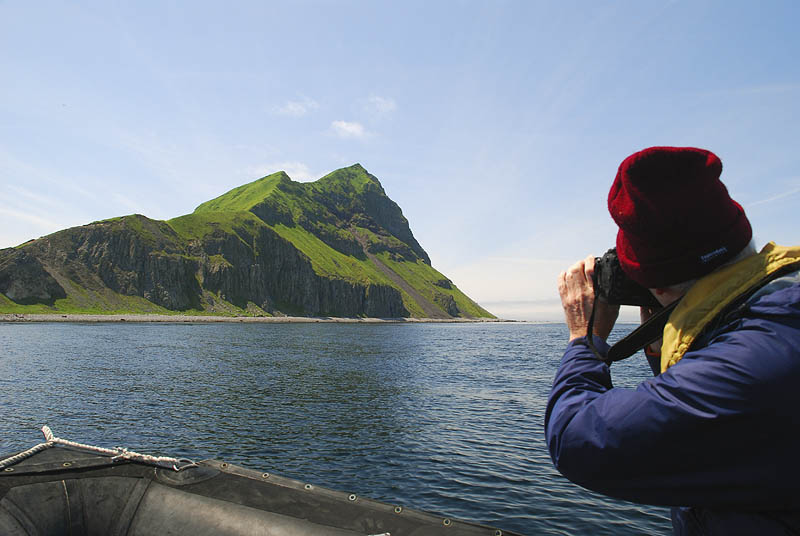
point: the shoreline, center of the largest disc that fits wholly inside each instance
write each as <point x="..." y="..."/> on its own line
<point x="178" y="319"/>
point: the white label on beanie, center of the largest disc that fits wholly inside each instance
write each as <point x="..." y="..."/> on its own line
<point x="708" y="257"/>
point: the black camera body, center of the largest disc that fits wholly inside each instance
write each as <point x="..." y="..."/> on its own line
<point x="614" y="287"/>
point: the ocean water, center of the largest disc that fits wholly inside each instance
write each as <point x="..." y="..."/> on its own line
<point x="446" y="418"/>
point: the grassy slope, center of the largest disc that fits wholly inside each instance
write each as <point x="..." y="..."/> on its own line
<point x="246" y="196"/>
<point x="199" y="224"/>
<point x="328" y="262"/>
<point x="423" y="277"/>
<point x="84" y="301"/>
<point x="119" y="304"/>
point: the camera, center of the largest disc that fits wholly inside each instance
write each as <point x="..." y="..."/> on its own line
<point x="614" y="287"/>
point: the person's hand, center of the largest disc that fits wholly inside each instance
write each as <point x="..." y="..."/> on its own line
<point x="577" y="298"/>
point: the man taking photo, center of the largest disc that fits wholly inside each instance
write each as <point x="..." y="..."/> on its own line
<point x="715" y="434"/>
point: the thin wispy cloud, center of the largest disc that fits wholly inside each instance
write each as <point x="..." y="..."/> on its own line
<point x="25" y="172"/>
<point x="764" y="89"/>
<point x="32" y="218"/>
<point x="381" y="105"/>
<point x="163" y="156"/>
<point x="48" y="179"/>
<point x="515" y="278"/>
<point x="776" y="197"/>
<point x="128" y="203"/>
<point x="349" y="129"/>
<point x="527" y="260"/>
<point x="37" y="198"/>
<point x="297" y="108"/>
<point x="545" y="301"/>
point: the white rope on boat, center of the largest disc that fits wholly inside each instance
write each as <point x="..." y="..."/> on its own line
<point x="23" y="455"/>
<point x="118" y="453"/>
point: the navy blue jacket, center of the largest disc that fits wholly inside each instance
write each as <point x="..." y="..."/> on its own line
<point x="717" y="435"/>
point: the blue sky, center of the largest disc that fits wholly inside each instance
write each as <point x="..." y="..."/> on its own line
<point x="496" y="126"/>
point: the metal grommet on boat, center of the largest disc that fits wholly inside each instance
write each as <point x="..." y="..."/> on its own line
<point x="223" y="465"/>
<point x="498" y="532"/>
<point x="264" y="475"/>
<point x="8" y="469"/>
<point x="308" y="486"/>
<point x="446" y="522"/>
<point x="398" y="509"/>
<point x="352" y="497"/>
<point x="66" y="464"/>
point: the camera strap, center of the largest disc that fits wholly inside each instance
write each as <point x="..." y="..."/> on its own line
<point x="637" y="339"/>
<point x="650" y="331"/>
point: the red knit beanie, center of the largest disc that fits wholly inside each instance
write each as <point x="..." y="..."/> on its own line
<point x="676" y="220"/>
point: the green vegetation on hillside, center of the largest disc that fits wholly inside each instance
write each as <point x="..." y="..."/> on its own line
<point x="432" y="284"/>
<point x="198" y="225"/>
<point x="339" y="226"/>
<point x="328" y="261"/>
<point x="246" y="196"/>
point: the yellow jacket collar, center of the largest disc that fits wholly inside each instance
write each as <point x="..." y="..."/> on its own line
<point x="707" y="298"/>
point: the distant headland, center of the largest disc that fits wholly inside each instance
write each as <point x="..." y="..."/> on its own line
<point x="271" y="250"/>
<point x="212" y="319"/>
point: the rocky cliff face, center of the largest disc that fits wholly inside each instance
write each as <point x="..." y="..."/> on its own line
<point x="274" y="275"/>
<point x="24" y="280"/>
<point x="270" y="247"/>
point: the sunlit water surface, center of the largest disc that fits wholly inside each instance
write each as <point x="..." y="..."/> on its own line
<point x="446" y="418"/>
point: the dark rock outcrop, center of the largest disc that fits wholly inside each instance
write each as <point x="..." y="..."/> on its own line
<point x="447" y="303"/>
<point x="24" y="280"/>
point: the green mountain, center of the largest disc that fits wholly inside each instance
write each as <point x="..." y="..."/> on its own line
<point x="335" y="247"/>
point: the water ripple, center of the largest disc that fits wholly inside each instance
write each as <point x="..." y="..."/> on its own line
<point x="445" y="418"/>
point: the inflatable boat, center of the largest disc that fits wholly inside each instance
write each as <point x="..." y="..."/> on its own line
<point x="60" y="487"/>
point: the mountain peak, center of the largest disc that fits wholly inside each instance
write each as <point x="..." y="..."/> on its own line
<point x="353" y="179"/>
<point x="247" y="196"/>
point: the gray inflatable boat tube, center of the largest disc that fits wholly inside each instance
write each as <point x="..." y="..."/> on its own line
<point x="70" y="491"/>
